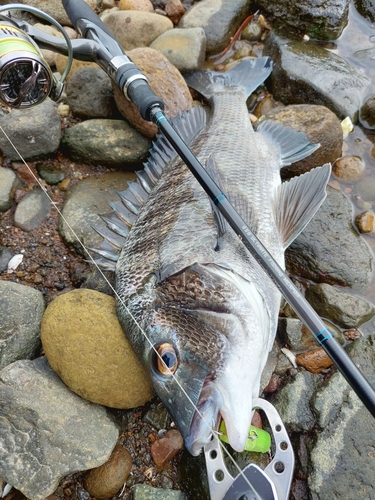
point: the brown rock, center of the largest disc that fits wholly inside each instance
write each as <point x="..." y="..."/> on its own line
<point x="165" y="80"/>
<point x="134" y="28"/>
<point x="349" y="168"/>
<point x="144" y="5"/>
<point x="175" y="10"/>
<point x="314" y="361"/>
<point x="352" y="334"/>
<point x="165" y="448"/>
<point x="105" y="481"/>
<point x="273" y="385"/>
<point x="76" y="66"/>
<point x="365" y="221"/>
<point x="321" y="127"/>
<point x="87" y="348"/>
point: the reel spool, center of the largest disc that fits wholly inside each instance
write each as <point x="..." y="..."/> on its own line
<point x="25" y="77"/>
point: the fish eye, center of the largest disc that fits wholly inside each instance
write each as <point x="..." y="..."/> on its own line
<point x="165" y="361"/>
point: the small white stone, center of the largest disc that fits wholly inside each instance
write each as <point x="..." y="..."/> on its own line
<point x="14" y="262"/>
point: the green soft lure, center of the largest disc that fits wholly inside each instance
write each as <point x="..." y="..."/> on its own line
<point x="258" y="440"/>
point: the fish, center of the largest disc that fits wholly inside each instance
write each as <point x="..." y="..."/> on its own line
<point x="184" y="277"/>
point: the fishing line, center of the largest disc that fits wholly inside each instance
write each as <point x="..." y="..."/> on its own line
<point x="92" y="260"/>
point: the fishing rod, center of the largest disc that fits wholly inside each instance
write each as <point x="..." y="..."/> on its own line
<point x="98" y="44"/>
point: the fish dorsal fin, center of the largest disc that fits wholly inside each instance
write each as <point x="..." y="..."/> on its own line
<point x="246" y="75"/>
<point x="294" y="145"/>
<point x="125" y="212"/>
<point x="297" y="201"/>
<point x="220" y="220"/>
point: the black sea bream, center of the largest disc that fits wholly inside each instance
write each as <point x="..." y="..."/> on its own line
<point x="184" y="275"/>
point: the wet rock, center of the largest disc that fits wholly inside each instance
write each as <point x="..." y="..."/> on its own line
<point x="55" y="9"/>
<point x="349" y="169"/>
<point x="304" y="72"/>
<point x="144" y="5"/>
<point x="47" y="431"/>
<point x="105" y="142"/>
<point x="252" y="32"/>
<point x="21" y="310"/>
<point x="321" y="20"/>
<point x="89" y="94"/>
<point x="219" y="19"/>
<point x="294" y="333"/>
<point x="167" y="447"/>
<point x="51" y="175"/>
<point x="84" y="202"/>
<point x="366" y="188"/>
<point x="184" y="48"/>
<point x="341" y="308"/>
<point x="145" y="492"/>
<point x="175" y="10"/>
<point x="105" y="481"/>
<point x="341" y="462"/>
<point x="5" y="256"/>
<point x="156" y="415"/>
<point x="329" y="249"/>
<point x="367" y="113"/>
<point x="165" y="80"/>
<point x="34" y="131"/>
<point x="365" y="221"/>
<point x="134" y="28"/>
<point x="366" y="8"/>
<point x="314" y="361"/>
<point x="320" y="125"/>
<point x="9" y="183"/>
<point x="31" y="210"/>
<point x="85" y="345"/>
<point x="292" y="402"/>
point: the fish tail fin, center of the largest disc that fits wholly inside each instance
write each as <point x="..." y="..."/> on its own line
<point x="246" y="75"/>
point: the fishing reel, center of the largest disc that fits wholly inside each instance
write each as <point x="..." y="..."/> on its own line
<point x="25" y="77"/>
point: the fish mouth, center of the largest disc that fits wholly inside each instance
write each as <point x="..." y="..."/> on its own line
<point x="205" y="420"/>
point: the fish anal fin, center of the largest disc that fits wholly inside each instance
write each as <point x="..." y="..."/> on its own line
<point x="294" y="145"/>
<point x="297" y="201"/>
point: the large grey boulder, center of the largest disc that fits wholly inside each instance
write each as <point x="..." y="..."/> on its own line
<point x="47" y="431"/>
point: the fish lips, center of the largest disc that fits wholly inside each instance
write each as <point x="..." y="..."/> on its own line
<point x="205" y="419"/>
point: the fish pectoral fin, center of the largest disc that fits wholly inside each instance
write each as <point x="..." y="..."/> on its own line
<point x="221" y="223"/>
<point x="294" y="146"/>
<point x="297" y="201"/>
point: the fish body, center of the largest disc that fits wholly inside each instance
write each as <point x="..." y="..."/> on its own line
<point x="184" y="277"/>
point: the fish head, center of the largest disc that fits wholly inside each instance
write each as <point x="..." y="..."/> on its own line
<point x="211" y="378"/>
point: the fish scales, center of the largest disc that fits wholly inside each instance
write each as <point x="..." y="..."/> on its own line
<point x="201" y="298"/>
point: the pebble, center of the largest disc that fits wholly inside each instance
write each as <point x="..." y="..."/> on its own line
<point x="365" y="188"/>
<point x="51" y="175"/>
<point x="34" y="131"/>
<point x="25" y="173"/>
<point x="365" y="222"/>
<point x="63" y="110"/>
<point x="252" y="32"/>
<point x="31" y="210"/>
<point x="352" y="334"/>
<point x="314" y="361"/>
<point x="105" y="142"/>
<point x="167" y="447"/>
<point x="85" y="345"/>
<point x="144" y="5"/>
<point x="5" y="257"/>
<point x="349" y="169"/>
<point x="145" y="492"/>
<point x="105" y="481"/>
<point x="184" y="48"/>
<point x="367" y="113"/>
<point x="174" y="10"/>
<point x="343" y="309"/>
<point x="165" y="80"/>
<point x="135" y="29"/>
<point x="8" y="185"/>
<point x="21" y="311"/>
<point x="89" y="94"/>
